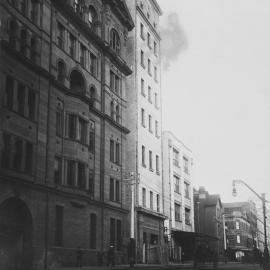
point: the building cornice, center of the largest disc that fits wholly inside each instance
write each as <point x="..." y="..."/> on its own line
<point x="92" y="36"/>
<point x="157" y="7"/>
<point x="150" y="213"/>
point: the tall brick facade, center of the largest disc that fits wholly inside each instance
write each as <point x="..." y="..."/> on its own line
<point x="63" y="101"/>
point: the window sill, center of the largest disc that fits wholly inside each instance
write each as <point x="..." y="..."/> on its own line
<point x="143" y="65"/>
<point x="142" y="37"/>
<point x="151" y="170"/>
<point x="143" y="94"/>
<point x="158" y="172"/>
<point x="144" y="165"/>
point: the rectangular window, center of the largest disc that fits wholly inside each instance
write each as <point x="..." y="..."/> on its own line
<point x="32" y="104"/>
<point x="156" y="100"/>
<point x="92" y="141"/>
<point x="155" y="48"/>
<point x="93" y="231"/>
<point x="81" y="175"/>
<point x="112" y="81"/>
<point x="157" y="164"/>
<point x="177" y="212"/>
<point x="117" y="191"/>
<point x="72" y="45"/>
<point x="143" y="156"/>
<point x="21" y="98"/>
<point x="111" y="189"/>
<point x="117" y="153"/>
<point x="57" y="170"/>
<point x="17" y="161"/>
<point x="155" y="74"/>
<point x="185" y="165"/>
<point x="93" y="64"/>
<point x="176" y="184"/>
<point x="149" y="94"/>
<point x="34" y="11"/>
<point x="82" y="55"/>
<point x="112" y="231"/>
<point x="149" y="40"/>
<point x="156" y="129"/>
<point x="118" y="234"/>
<point x="238" y="239"/>
<point x="142" y="31"/>
<point x="158" y="203"/>
<point x="175" y="157"/>
<point x="82" y="130"/>
<point x="143" y="197"/>
<point x="142" y="58"/>
<point x="149" y="67"/>
<point x="59" y="122"/>
<point x="111" y="150"/>
<point x="187" y="216"/>
<point x="150" y="161"/>
<point x="187" y="190"/>
<point x="29" y="159"/>
<point x="60" y="35"/>
<point x="6" y="151"/>
<point x="142" y="87"/>
<point x="71" y="126"/>
<point x="71" y="167"/>
<point x="237" y="225"/>
<point x="115" y="83"/>
<point x="59" y="220"/>
<point x="150" y="123"/>
<point x="142" y="117"/>
<point x="91" y="182"/>
<point x="9" y="92"/>
<point x="151" y="199"/>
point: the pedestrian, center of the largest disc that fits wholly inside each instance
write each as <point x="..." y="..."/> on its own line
<point x="111" y="260"/>
<point x="183" y="257"/>
<point x="79" y="256"/>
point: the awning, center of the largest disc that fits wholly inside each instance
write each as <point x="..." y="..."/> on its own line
<point x="192" y="236"/>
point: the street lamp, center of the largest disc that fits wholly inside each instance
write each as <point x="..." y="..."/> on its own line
<point x="262" y="198"/>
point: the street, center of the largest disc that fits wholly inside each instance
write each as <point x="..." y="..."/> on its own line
<point x="230" y="265"/>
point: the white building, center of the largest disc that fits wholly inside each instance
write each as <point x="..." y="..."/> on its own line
<point x="178" y="192"/>
<point x="144" y="122"/>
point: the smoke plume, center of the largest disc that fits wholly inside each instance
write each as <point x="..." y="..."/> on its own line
<point x="174" y="40"/>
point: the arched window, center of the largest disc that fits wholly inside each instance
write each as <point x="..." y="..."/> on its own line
<point x="77" y="82"/>
<point x="33" y="49"/>
<point x="112" y="109"/>
<point x="92" y="17"/>
<point x="13" y="28"/>
<point x="22" y="6"/>
<point x="78" y="7"/>
<point x="23" y="42"/>
<point x="117" y="111"/>
<point x="115" y="41"/>
<point x="61" y="71"/>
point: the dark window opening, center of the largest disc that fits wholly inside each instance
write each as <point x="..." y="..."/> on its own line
<point x="77" y="82"/>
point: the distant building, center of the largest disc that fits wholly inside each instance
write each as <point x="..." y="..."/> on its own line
<point x="63" y="127"/>
<point x="208" y="218"/>
<point x="241" y="229"/>
<point x="143" y="116"/>
<point x="178" y="195"/>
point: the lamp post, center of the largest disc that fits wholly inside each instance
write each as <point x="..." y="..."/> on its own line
<point x="262" y="198"/>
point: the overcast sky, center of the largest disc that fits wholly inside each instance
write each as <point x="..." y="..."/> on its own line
<point x="216" y="89"/>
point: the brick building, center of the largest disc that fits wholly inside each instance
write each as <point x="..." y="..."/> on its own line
<point x="241" y="229"/>
<point x="208" y="219"/>
<point x="63" y="102"/>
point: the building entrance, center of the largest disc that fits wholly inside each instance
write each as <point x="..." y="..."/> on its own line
<point x="16" y="229"/>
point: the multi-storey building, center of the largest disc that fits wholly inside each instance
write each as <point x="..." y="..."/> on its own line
<point x="241" y="229"/>
<point x="144" y="121"/>
<point x="63" y="103"/>
<point x="178" y="194"/>
<point x="208" y="219"/>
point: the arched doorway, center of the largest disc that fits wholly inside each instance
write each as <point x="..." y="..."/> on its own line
<point x="16" y="229"/>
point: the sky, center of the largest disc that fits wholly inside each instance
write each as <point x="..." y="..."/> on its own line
<point x="216" y="90"/>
